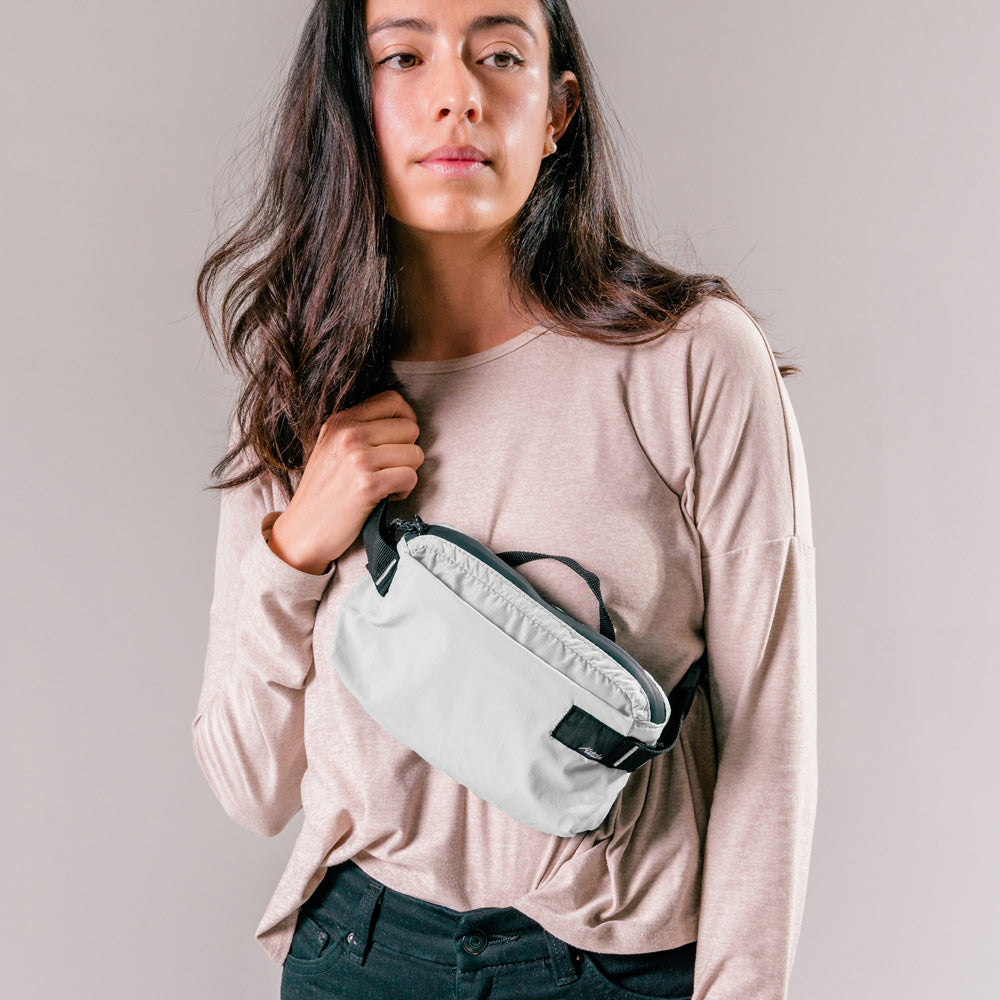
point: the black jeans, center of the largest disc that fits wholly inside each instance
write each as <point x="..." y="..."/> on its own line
<point x="356" y="939"/>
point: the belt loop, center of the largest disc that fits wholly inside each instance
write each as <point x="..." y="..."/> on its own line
<point x="562" y="960"/>
<point x="364" y="920"/>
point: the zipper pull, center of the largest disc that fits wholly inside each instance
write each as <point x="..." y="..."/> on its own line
<point x="415" y="524"/>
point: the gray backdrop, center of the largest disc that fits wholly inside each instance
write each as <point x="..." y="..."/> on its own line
<point x="837" y="161"/>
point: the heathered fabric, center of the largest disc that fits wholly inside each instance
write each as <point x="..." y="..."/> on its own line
<point x="675" y="471"/>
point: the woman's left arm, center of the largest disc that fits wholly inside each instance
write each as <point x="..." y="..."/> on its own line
<point x="749" y="499"/>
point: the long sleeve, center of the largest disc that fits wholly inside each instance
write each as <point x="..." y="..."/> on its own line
<point x="749" y="498"/>
<point x="248" y="730"/>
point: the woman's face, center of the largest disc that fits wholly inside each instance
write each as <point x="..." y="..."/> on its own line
<point x="467" y="73"/>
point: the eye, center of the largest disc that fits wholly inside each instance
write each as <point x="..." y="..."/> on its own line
<point x="504" y="54"/>
<point x="398" y="55"/>
<point x="508" y="59"/>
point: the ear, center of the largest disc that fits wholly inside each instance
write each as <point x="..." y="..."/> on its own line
<point x="565" y="101"/>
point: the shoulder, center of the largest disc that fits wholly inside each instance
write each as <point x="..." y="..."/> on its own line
<point x="715" y="357"/>
<point x="715" y="346"/>
<point x="719" y="333"/>
<point x="729" y="364"/>
<point x="716" y="336"/>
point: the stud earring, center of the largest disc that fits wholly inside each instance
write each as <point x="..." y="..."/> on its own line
<point x="550" y="147"/>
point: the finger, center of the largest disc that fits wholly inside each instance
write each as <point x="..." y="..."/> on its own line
<point x="395" y="456"/>
<point x="388" y="430"/>
<point x="387" y="403"/>
<point x="395" y="483"/>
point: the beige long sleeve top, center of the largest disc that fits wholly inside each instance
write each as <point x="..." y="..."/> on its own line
<point x="675" y="471"/>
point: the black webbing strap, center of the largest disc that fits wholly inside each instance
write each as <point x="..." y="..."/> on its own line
<point x="380" y="544"/>
<point x="514" y="559"/>
<point x="591" y="738"/>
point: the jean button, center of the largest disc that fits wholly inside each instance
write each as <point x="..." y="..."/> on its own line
<point x="474" y="942"/>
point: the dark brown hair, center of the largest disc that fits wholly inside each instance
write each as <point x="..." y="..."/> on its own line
<point x="306" y="316"/>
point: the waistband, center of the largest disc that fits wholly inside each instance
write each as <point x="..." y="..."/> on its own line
<point x="468" y="939"/>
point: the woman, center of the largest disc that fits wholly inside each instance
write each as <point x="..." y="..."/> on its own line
<point x="439" y="256"/>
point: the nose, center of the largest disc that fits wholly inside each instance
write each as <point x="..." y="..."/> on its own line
<point x="454" y="91"/>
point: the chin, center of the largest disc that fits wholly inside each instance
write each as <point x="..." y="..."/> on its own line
<point x="452" y="225"/>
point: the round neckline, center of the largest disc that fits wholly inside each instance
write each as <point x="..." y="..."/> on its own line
<point x="400" y="366"/>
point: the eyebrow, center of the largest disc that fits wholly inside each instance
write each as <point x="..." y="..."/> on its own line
<point x="481" y="23"/>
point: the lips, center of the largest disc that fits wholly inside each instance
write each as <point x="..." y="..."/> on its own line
<point x="462" y="153"/>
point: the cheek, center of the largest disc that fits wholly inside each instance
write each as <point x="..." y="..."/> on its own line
<point x="388" y="113"/>
<point x="391" y="131"/>
<point x="524" y="122"/>
<point x="524" y="130"/>
<point x="529" y="105"/>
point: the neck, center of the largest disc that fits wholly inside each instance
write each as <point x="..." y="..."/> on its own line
<point x="455" y="296"/>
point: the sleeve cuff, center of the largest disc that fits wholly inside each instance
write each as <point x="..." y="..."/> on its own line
<point x="266" y="568"/>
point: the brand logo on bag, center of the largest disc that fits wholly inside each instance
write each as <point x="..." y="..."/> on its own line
<point x="589" y="752"/>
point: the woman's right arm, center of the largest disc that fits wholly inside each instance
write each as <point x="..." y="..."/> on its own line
<point x="248" y="730"/>
<point x="248" y="726"/>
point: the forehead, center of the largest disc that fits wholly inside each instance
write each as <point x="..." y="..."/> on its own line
<point x="427" y="16"/>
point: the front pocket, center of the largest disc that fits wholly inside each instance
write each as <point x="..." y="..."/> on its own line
<point x="662" y="975"/>
<point x="314" y="945"/>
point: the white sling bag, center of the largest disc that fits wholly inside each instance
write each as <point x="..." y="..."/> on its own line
<point x="455" y="654"/>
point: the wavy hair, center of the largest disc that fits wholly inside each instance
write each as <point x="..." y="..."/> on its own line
<point x="308" y="287"/>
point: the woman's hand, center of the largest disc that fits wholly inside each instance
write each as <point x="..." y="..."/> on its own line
<point x="361" y="455"/>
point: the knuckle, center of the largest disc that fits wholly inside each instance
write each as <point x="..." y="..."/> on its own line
<point x="398" y="400"/>
<point x="359" y="462"/>
<point x="367" y="483"/>
<point x="351" y="437"/>
<point x="386" y="395"/>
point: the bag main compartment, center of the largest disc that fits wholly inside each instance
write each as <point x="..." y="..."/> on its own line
<point x="570" y="646"/>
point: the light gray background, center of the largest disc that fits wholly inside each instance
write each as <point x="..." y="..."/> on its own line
<point x="837" y="161"/>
